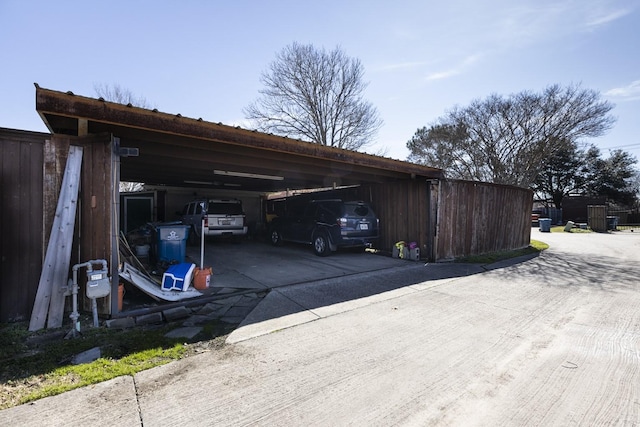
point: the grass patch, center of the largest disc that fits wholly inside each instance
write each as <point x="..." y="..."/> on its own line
<point x="37" y="365"/>
<point x="73" y="376"/>
<point x="538" y="245"/>
<point x="534" y="247"/>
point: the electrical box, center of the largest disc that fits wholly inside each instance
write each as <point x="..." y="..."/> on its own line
<point x="98" y="284"/>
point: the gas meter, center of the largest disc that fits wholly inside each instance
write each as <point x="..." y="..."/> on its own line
<point x="98" y="283"/>
<point x="98" y="286"/>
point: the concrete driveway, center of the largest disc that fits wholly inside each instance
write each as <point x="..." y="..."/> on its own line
<point x="554" y="340"/>
<point x="254" y="264"/>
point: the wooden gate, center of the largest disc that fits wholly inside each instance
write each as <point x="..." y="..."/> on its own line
<point x="597" y="218"/>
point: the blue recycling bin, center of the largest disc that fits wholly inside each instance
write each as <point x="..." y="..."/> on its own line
<point x="545" y="224"/>
<point x="612" y="222"/>
<point x="172" y="242"/>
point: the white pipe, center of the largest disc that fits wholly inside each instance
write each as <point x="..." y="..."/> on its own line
<point x="74" y="298"/>
<point x="94" y="308"/>
<point x="202" y="245"/>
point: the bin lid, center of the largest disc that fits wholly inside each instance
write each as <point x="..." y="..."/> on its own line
<point x="173" y="232"/>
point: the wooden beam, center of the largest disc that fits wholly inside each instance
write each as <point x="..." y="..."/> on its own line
<point x="123" y="120"/>
<point x="83" y="127"/>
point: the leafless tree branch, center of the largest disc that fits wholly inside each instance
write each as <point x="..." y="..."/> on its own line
<point x="508" y="140"/>
<point x="315" y="95"/>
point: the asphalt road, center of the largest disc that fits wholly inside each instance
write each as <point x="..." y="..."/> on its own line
<point x="554" y="340"/>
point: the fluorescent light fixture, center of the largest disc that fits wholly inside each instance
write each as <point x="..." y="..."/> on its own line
<point x="248" y="175"/>
<point x="199" y="182"/>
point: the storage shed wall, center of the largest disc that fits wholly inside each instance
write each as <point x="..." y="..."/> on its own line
<point x="21" y="221"/>
<point x="92" y="231"/>
<point x="31" y="170"/>
<point x="477" y="218"/>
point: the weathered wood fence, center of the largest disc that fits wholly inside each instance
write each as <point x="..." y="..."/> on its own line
<point x="21" y="225"/>
<point x="476" y="218"/>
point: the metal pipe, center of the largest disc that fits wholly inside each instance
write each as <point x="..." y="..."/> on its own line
<point x="74" y="297"/>
<point x="75" y="315"/>
<point x="94" y="308"/>
<point x="202" y="245"/>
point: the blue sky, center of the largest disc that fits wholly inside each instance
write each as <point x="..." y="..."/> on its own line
<point x="421" y="58"/>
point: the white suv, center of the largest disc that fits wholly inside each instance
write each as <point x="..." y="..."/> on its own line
<point x="222" y="217"/>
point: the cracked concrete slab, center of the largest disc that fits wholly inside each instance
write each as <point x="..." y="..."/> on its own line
<point x="186" y="332"/>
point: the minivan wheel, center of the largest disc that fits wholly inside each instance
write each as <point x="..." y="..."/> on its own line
<point x="276" y="237"/>
<point x="321" y="244"/>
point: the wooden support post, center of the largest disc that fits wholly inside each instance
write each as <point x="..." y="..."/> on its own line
<point x="115" y="224"/>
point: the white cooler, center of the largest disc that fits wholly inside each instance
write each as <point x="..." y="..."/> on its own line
<point x="178" y="277"/>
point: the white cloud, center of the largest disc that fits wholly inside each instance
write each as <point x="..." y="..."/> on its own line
<point x="607" y="17"/>
<point x="456" y="70"/>
<point x="403" y="65"/>
<point x="443" y="74"/>
<point x="631" y="92"/>
<point x="522" y="24"/>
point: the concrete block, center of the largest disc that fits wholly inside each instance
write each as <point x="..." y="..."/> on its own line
<point x="149" y="319"/>
<point x="237" y="312"/>
<point x="247" y="301"/>
<point x="196" y="320"/>
<point x="207" y="309"/>
<point x="228" y="301"/>
<point x="188" y="332"/>
<point x="87" y="356"/>
<point x="176" y="313"/>
<point x="122" y="323"/>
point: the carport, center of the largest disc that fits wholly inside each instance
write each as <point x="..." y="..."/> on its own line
<point x="126" y="143"/>
<point x="448" y="219"/>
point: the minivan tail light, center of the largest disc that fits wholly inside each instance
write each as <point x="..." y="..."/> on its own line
<point x="206" y="221"/>
<point x="342" y="222"/>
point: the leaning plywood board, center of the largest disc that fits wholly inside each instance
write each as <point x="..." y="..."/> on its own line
<point x="55" y="270"/>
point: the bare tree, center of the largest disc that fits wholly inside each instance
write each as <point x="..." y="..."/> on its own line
<point x="315" y="95"/>
<point x="118" y="94"/>
<point x="508" y="140"/>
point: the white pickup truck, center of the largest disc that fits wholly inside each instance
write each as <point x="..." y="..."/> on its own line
<point x="222" y="217"/>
